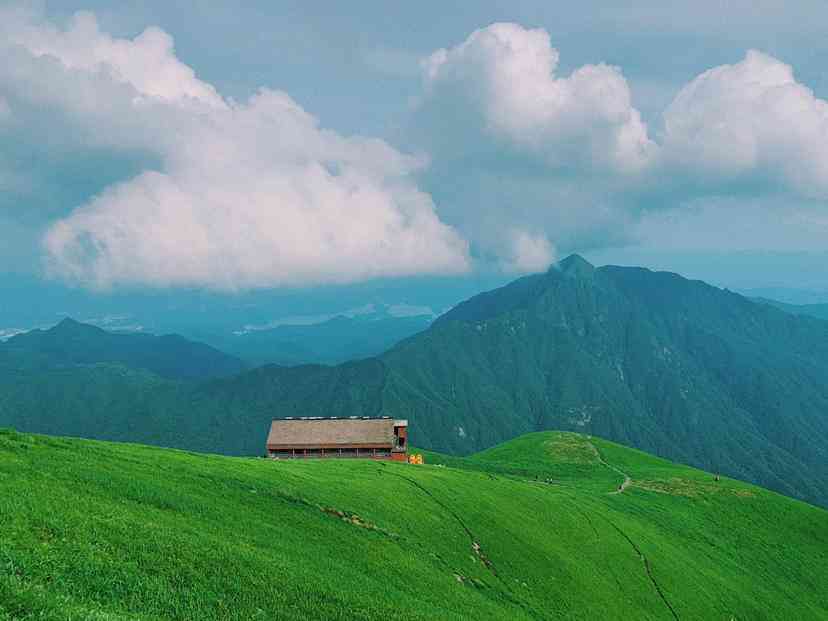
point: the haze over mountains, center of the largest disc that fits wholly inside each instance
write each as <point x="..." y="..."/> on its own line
<point x="820" y="311"/>
<point x="332" y="341"/>
<point x="676" y="367"/>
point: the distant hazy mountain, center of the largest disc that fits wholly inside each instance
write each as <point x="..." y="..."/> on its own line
<point x="820" y="311"/>
<point x="73" y="343"/>
<point x="676" y="367"/>
<point x="788" y="295"/>
<point x="330" y="342"/>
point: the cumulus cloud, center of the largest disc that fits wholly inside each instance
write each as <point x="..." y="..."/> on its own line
<point x="527" y="253"/>
<point x="748" y="119"/>
<point x="234" y="220"/>
<point x="500" y="86"/>
<point x="568" y="160"/>
<point x="195" y="189"/>
<point x="251" y="194"/>
<point x="147" y="63"/>
<point x="526" y="160"/>
<point x="503" y="79"/>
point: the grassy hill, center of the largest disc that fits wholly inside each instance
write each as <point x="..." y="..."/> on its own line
<point x="532" y="529"/>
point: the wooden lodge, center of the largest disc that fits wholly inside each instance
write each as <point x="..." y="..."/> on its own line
<point x="317" y="437"/>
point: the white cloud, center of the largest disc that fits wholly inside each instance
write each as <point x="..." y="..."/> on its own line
<point x="568" y="161"/>
<point x="7" y="333"/>
<point x="147" y="63"/>
<point x="524" y="158"/>
<point x="402" y="309"/>
<point x="503" y="78"/>
<point x="750" y="119"/>
<point x="260" y="196"/>
<point x="251" y="194"/>
<point x="522" y="161"/>
<point x="527" y="253"/>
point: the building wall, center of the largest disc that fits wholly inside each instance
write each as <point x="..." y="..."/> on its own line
<point x="334" y="453"/>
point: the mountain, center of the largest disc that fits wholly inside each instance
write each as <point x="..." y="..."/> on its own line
<point x="820" y="311"/>
<point x="676" y="367"/>
<point x="71" y="343"/>
<point x="687" y="371"/>
<point x="329" y="342"/>
<point x="788" y="295"/>
<point x="532" y="529"/>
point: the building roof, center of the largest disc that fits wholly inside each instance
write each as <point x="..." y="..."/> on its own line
<point x="331" y="432"/>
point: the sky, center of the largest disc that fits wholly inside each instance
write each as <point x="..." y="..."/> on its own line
<point x="317" y="153"/>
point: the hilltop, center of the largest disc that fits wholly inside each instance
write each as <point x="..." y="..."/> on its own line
<point x="532" y="529"/>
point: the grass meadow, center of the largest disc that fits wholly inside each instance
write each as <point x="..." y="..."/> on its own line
<point x="526" y="530"/>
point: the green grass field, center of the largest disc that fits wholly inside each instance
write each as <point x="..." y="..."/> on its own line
<point x="525" y="530"/>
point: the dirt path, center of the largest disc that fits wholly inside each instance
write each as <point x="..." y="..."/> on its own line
<point x="647" y="567"/>
<point x="627" y="479"/>
<point x="625" y="484"/>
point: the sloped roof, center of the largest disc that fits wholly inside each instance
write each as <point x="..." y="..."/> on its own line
<point x="331" y="432"/>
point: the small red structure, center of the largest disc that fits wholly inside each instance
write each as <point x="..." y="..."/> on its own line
<point x="320" y="437"/>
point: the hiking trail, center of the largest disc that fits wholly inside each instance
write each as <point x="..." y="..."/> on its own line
<point x="627" y="479"/>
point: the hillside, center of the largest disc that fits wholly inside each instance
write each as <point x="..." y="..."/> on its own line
<point x="676" y="367"/>
<point x="528" y="530"/>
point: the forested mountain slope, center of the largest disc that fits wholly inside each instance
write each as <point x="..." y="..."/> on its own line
<point x="677" y="367"/>
<point x="673" y="366"/>
<point x="72" y="343"/>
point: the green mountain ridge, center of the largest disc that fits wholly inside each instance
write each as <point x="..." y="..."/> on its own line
<point x="676" y="367"/>
<point x="74" y="343"/>
<point x="548" y="526"/>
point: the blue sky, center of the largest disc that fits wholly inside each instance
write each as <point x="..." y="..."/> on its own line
<point x="305" y="146"/>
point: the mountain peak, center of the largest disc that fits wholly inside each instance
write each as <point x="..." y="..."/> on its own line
<point x="70" y="326"/>
<point x="68" y="322"/>
<point x="577" y="266"/>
